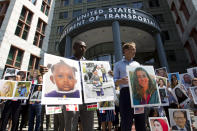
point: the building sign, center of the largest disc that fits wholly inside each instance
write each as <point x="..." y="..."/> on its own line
<point x="110" y="14"/>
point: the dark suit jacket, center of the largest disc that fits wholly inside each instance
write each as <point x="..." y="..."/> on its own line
<point x="186" y="126"/>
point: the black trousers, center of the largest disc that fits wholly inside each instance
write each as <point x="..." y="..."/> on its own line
<point x="11" y="110"/>
<point x="127" y="113"/>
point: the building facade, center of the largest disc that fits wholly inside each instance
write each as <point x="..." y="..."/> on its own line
<point x="24" y="32"/>
<point x="184" y="14"/>
<point x="100" y="47"/>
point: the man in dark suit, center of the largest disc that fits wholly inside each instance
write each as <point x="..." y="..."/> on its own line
<point x="180" y="118"/>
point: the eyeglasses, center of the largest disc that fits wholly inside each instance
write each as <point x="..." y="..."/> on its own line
<point x="179" y="118"/>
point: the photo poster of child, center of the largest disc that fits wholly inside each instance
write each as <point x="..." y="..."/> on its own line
<point x="98" y="85"/>
<point x="163" y="96"/>
<point x="180" y="95"/>
<point x="106" y="105"/>
<point x="193" y="91"/>
<point x="174" y="79"/>
<point x="159" y="124"/>
<point x="7" y="89"/>
<point x="36" y="93"/>
<point x="143" y="88"/>
<point x="62" y="83"/>
<point x="10" y="74"/>
<point x="22" y="90"/>
<point x="192" y="71"/>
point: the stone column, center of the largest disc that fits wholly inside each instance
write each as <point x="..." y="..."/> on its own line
<point x="117" y="41"/>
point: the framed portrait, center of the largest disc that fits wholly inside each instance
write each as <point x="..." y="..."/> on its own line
<point x="180" y="95"/>
<point x="36" y="93"/>
<point x="161" y="72"/>
<point x="174" y="79"/>
<point x="7" y="89"/>
<point x="161" y="81"/>
<point x="22" y="90"/>
<point x="193" y="91"/>
<point x="192" y="71"/>
<point x="106" y="105"/>
<point x="180" y="119"/>
<point x="62" y="83"/>
<point x="143" y="87"/>
<point x="22" y="74"/>
<point x="159" y="124"/>
<point x="98" y="84"/>
<point x="164" y="96"/>
<point x="186" y="79"/>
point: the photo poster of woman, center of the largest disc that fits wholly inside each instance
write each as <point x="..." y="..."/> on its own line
<point x="62" y="82"/>
<point x="161" y="81"/>
<point x="159" y="124"/>
<point x="192" y="71"/>
<point x="161" y="72"/>
<point x="106" y="105"/>
<point x="180" y="95"/>
<point x="164" y="96"/>
<point x="193" y="91"/>
<point x="180" y="119"/>
<point x="36" y="93"/>
<point x="143" y="88"/>
<point x="98" y="84"/>
<point x="7" y="89"/>
<point x="174" y="79"/>
<point x="22" y="90"/>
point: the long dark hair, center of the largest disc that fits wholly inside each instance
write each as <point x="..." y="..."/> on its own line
<point x="137" y="89"/>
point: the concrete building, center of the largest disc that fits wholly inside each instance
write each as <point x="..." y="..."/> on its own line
<point x="100" y="40"/>
<point x="184" y="14"/>
<point x="24" y="32"/>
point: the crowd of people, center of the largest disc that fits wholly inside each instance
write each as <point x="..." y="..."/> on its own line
<point x="123" y="117"/>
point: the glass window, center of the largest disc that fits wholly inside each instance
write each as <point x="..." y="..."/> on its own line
<point x="138" y="5"/>
<point x="63" y="15"/>
<point x="33" y="62"/>
<point x="77" y="1"/>
<point x="60" y="29"/>
<point x="64" y="2"/>
<point x="90" y="9"/>
<point x="90" y="0"/>
<point x="45" y="7"/>
<point x="122" y="5"/>
<point x="154" y="3"/>
<point x="33" y="1"/>
<point x="77" y="13"/>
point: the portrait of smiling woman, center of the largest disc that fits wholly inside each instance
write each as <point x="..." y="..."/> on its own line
<point x="144" y="89"/>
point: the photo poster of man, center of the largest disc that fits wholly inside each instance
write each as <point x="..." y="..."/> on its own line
<point x="143" y="88"/>
<point x="98" y="85"/>
<point x="159" y="124"/>
<point x="53" y="109"/>
<point x="193" y="91"/>
<point x="106" y="105"/>
<point x="161" y="81"/>
<point x="192" y="71"/>
<point x="36" y="93"/>
<point x="180" y="95"/>
<point x="22" y="90"/>
<point x="174" y="79"/>
<point x="7" y="89"/>
<point x="180" y="119"/>
<point x="62" y="83"/>
<point x="186" y="79"/>
<point x="10" y="74"/>
<point x="161" y="72"/>
<point x="164" y="96"/>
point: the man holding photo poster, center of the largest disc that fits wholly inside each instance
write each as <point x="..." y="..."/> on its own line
<point x="121" y="80"/>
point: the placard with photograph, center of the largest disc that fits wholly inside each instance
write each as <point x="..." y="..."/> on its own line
<point x="180" y="94"/>
<point x="161" y="81"/>
<point x="36" y="93"/>
<point x="106" y="105"/>
<point x="193" y="91"/>
<point x="22" y="74"/>
<point x="174" y="79"/>
<point x="22" y="90"/>
<point x="186" y="79"/>
<point x="143" y="87"/>
<point x="162" y="72"/>
<point x="159" y="124"/>
<point x="10" y="74"/>
<point x="7" y="89"/>
<point x="164" y="96"/>
<point x="98" y="85"/>
<point x="180" y="119"/>
<point x="139" y="110"/>
<point x="62" y="83"/>
<point x="192" y="71"/>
